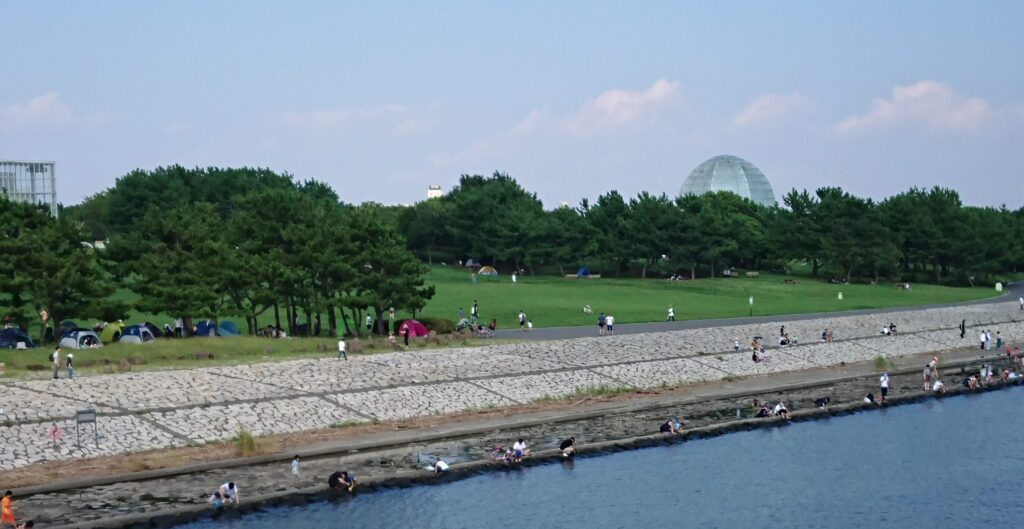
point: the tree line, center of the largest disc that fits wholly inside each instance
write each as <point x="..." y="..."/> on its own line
<point x="210" y="243"/>
<point x="918" y="235"/>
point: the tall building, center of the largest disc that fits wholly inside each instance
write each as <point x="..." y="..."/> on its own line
<point x="32" y="182"/>
<point x="730" y="173"/>
<point x="434" y="192"/>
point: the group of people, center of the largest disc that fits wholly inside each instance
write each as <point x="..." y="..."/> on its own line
<point x="757" y="353"/>
<point x="605" y="324"/>
<point x="779" y="410"/>
<point x="826" y="335"/>
<point x="985" y="340"/>
<point x="69" y="364"/>
<point x="889" y="330"/>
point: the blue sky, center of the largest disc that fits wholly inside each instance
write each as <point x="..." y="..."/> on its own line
<point x="382" y="99"/>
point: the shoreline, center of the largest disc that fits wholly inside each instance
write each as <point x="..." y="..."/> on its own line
<point x="461" y="470"/>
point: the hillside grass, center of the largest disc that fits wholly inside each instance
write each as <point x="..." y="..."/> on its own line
<point x="554" y="301"/>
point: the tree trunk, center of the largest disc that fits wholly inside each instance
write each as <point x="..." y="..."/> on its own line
<point x="332" y="321"/>
<point x="561" y="271"/>
<point x="250" y="323"/>
<point x="277" y="316"/>
<point x="344" y="321"/>
<point x="712" y="269"/>
<point x="815" y="265"/>
<point x="643" y="271"/>
<point x="309" y="320"/>
<point x="693" y="271"/>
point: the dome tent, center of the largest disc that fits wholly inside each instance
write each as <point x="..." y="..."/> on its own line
<point x="730" y="173"/>
<point x="137" y="334"/>
<point x="583" y="272"/>
<point x="79" y="339"/>
<point x="488" y="271"/>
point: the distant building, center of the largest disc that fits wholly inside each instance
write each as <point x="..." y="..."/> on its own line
<point x="32" y="182"/>
<point x="434" y="192"/>
<point x="730" y="173"/>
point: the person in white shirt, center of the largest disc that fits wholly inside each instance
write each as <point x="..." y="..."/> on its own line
<point x="1021" y="301"/>
<point x="341" y="349"/>
<point x="369" y="323"/>
<point x="440" y="466"/>
<point x="981" y="339"/>
<point x="884" y="382"/>
<point x="229" y="491"/>
<point x="296" y="470"/>
<point x="520" y="450"/>
<point x="55" y="358"/>
<point x="671" y="313"/>
<point x="938" y="387"/>
<point x="780" y="410"/>
<point x="609" y="321"/>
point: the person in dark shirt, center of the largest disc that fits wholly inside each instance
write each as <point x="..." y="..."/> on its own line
<point x="341" y="479"/>
<point x="568" y="447"/>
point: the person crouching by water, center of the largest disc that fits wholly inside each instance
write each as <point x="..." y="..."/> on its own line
<point x="823" y="402"/>
<point x="568" y="447"/>
<point x="229" y="493"/>
<point x="781" y="411"/>
<point x="520" y="450"/>
<point x="671" y="426"/>
<point x="341" y="479"/>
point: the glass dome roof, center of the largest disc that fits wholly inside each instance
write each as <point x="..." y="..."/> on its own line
<point x="730" y="173"/>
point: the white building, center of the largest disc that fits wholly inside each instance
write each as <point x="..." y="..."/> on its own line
<point x="434" y="192"/>
<point x="32" y="182"/>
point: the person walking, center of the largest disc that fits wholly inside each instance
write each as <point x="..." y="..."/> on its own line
<point x="296" y="470"/>
<point x="981" y="340"/>
<point x="342" y="353"/>
<point x="671" y="313"/>
<point x="7" y="508"/>
<point x="1021" y="301"/>
<point x="522" y="320"/>
<point x="884" y="383"/>
<point x="70" y="364"/>
<point x="55" y="358"/>
<point x="369" y="324"/>
<point x="963" y="328"/>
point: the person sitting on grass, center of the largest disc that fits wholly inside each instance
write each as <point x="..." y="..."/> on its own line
<point x="781" y="411"/>
<point x="342" y="479"/>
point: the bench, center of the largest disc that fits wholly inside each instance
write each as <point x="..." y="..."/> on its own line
<point x="752" y="274"/>
<point x="577" y="276"/>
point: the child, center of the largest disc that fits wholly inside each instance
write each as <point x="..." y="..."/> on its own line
<point x="217" y="500"/>
<point x="296" y="470"/>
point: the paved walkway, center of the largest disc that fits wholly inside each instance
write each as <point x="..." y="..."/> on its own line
<point x="164" y="409"/>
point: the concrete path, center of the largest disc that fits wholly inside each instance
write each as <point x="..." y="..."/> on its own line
<point x="164" y="409"/>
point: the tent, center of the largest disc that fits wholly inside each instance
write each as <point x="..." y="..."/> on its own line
<point x="416" y="329"/>
<point x="79" y="339"/>
<point x="68" y="324"/>
<point x="229" y="328"/>
<point x="112" y="332"/>
<point x="206" y="328"/>
<point x="488" y="271"/>
<point x="12" y="336"/>
<point x="157" y="333"/>
<point x="584" y="272"/>
<point x="137" y="334"/>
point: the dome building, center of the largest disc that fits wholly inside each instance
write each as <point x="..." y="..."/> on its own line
<point x="730" y="173"/>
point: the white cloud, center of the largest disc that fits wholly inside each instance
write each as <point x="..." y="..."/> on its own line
<point x="332" y="119"/>
<point x="413" y="126"/>
<point x="929" y="104"/>
<point x="488" y="149"/>
<point x="44" y="111"/>
<point x="618" y="107"/>
<point x="770" y="109"/>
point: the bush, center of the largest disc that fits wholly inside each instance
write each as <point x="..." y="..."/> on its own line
<point x="439" y="325"/>
<point x="245" y="443"/>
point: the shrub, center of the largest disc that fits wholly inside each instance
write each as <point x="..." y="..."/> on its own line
<point x="439" y="325"/>
<point x="882" y="364"/>
<point x="245" y="443"/>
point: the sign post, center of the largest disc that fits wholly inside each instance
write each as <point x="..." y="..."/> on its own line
<point x="840" y="296"/>
<point x="86" y="417"/>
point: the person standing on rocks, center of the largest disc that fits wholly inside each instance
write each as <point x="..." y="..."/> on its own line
<point x="342" y="353"/>
<point x="70" y="364"/>
<point x="296" y="470"/>
<point x="884" y="383"/>
<point x="55" y="358"/>
<point x="963" y="328"/>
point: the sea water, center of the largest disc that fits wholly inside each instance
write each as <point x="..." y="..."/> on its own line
<point x="956" y="462"/>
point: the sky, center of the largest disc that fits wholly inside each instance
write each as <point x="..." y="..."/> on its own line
<point x="573" y="99"/>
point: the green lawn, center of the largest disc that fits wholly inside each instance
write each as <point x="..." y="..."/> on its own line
<point x="554" y="301"/>
<point x="193" y="352"/>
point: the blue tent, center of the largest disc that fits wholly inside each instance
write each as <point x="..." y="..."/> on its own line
<point x="137" y="334"/>
<point x="205" y="328"/>
<point x="584" y="272"/>
<point x="68" y="324"/>
<point x="10" y="337"/>
<point x="229" y="328"/>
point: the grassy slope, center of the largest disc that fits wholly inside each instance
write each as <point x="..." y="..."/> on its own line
<point x="553" y="301"/>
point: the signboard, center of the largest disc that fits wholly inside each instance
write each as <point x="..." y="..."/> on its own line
<point x="840" y="296"/>
<point x="86" y="417"/>
<point x="999" y="287"/>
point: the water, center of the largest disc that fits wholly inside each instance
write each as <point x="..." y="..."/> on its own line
<point x="942" y="463"/>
